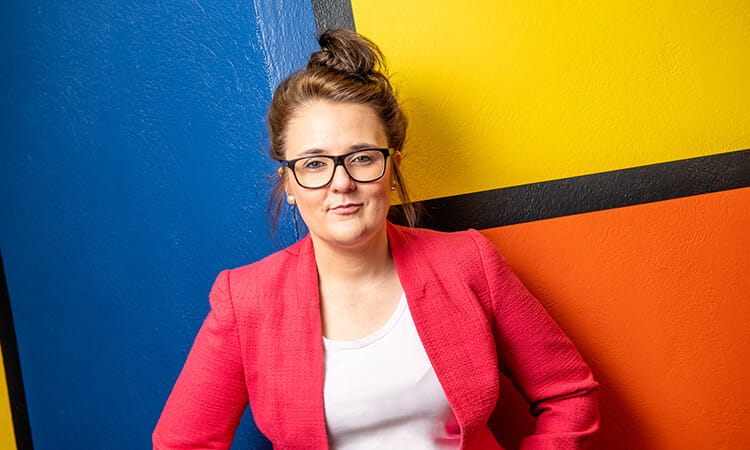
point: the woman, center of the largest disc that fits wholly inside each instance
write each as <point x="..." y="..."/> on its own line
<point x="365" y="334"/>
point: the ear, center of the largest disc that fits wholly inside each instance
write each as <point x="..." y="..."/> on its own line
<point x="397" y="157"/>
<point x="282" y="173"/>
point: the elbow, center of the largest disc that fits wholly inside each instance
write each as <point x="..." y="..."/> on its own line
<point x="576" y="412"/>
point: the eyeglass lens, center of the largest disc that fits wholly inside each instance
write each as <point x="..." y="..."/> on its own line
<point x="363" y="166"/>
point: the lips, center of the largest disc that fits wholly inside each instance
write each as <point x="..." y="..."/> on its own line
<point x="348" y="208"/>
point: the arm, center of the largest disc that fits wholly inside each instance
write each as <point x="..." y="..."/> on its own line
<point x="540" y="360"/>
<point x="209" y="396"/>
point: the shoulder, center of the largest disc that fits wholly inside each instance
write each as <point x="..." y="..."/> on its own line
<point x="463" y="255"/>
<point x="272" y="273"/>
<point x="468" y="244"/>
<point x="272" y="263"/>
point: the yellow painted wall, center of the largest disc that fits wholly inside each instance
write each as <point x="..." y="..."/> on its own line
<point x="512" y="92"/>
<point x="7" y="435"/>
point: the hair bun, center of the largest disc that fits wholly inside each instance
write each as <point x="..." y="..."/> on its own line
<point x="346" y="51"/>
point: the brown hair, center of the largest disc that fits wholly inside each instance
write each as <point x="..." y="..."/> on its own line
<point x="349" y="68"/>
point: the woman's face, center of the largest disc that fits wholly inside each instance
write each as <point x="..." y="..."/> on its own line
<point x="343" y="213"/>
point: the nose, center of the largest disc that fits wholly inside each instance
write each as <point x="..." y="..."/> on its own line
<point x="341" y="181"/>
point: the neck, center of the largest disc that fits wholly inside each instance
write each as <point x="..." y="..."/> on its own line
<point x="353" y="264"/>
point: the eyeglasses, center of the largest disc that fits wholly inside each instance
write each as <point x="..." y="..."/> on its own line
<point x="362" y="166"/>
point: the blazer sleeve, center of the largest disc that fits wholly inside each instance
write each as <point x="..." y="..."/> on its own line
<point x="210" y="395"/>
<point x="540" y="360"/>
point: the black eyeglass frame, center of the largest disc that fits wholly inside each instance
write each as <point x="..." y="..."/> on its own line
<point x="339" y="161"/>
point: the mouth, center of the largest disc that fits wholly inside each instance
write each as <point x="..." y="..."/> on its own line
<point x="346" y="209"/>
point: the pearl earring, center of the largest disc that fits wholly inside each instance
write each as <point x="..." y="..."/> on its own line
<point x="290" y="199"/>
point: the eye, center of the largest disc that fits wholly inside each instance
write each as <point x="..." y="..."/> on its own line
<point x="313" y="164"/>
<point x="362" y="158"/>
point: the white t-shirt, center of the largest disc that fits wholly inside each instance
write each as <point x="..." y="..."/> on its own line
<point x="381" y="392"/>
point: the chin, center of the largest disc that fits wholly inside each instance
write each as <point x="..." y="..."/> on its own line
<point x="351" y="234"/>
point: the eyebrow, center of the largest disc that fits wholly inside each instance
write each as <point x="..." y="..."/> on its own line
<point x="312" y="151"/>
<point x="318" y="151"/>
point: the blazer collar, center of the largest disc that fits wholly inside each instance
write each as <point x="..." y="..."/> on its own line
<point x="441" y="327"/>
<point x="308" y="294"/>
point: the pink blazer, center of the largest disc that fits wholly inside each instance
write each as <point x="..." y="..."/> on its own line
<point x="262" y="343"/>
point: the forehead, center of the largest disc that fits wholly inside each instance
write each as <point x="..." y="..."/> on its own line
<point x="321" y="126"/>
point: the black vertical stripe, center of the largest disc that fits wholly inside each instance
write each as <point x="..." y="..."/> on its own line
<point x="12" y="364"/>
<point x="332" y="14"/>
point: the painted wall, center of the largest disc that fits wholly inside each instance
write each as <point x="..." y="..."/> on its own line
<point x="655" y="295"/>
<point x="7" y="434"/>
<point x="656" y="298"/>
<point x="133" y="170"/>
<point x="508" y="93"/>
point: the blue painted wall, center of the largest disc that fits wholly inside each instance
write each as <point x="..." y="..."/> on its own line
<point x="133" y="170"/>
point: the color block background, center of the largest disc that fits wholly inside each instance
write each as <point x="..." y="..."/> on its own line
<point x="133" y="170"/>
<point x="656" y="298"/>
<point x="508" y="93"/>
<point x="7" y="434"/>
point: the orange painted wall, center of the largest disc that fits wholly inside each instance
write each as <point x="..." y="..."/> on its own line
<point x="657" y="297"/>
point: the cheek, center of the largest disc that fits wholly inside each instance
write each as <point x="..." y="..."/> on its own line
<point x="304" y="200"/>
<point x="292" y="188"/>
<point x="382" y="195"/>
<point x="310" y="204"/>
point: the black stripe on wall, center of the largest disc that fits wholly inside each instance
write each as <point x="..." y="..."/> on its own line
<point x="332" y="14"/>
<point x="586" y="193"/>
<point x="13" y="368"/>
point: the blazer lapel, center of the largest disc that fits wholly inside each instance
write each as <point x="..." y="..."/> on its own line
<point x="452" y="327"/>
<point x="303" y="363"/>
